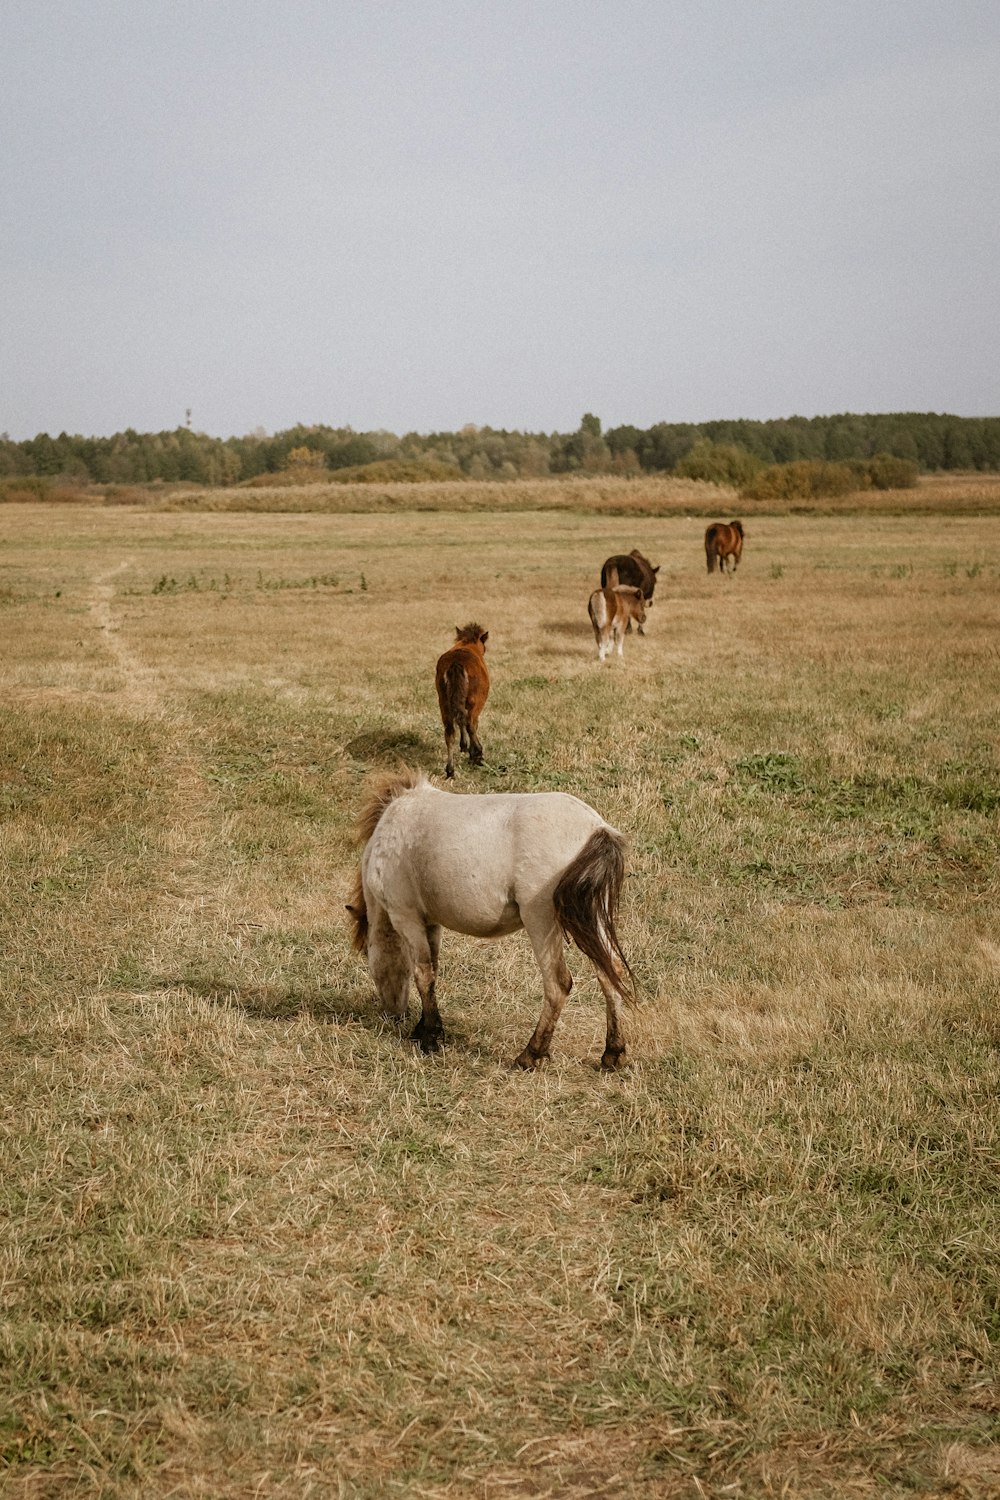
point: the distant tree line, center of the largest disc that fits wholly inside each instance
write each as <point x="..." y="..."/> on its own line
<point x="729" y="451"/>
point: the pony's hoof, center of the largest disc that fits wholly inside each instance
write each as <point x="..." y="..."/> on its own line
<point x="427" y="1039"/>
<point x="526" y="1060"/>
<point x="449" y="772"/>
<point x="612" y="1060"/>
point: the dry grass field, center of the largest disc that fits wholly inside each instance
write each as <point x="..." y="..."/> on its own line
<point x="254" y="1245"/>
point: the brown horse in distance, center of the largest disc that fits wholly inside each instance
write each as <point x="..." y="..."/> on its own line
<point x="463" y="685"/>
<point x="633" y="570"/>
<point x="724" y="542"/>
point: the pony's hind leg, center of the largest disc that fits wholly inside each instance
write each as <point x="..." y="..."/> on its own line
<point x="614" y="1045"/>
<point x="475" y="744"/>
<point x="449" y="745"/>
<point x="549" y="948"/>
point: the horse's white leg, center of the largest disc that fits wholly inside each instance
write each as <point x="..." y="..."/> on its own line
<point x="388" y="962"/>
<point x="548" y="944"/>
<point x="619" y="639"/>
<point x="424" y="943"/>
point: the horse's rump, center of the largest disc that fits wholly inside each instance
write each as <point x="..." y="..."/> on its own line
<point x="630" y="568"/>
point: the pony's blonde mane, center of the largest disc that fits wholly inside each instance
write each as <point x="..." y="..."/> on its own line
<point x="385" y="790"/>
<point x="390" y="786"/>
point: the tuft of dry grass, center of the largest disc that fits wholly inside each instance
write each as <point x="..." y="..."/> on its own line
<point x="256" y="1245"/>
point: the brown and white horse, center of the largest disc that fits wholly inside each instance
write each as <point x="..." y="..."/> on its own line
<point x="463" y="685"/>
<point x="488" y="865"/>
<point x="611" y="611"/>
<point x="724" y="542"/>
<point x="632" y="568"/>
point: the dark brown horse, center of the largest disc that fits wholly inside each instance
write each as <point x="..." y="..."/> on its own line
<point x="633" y="570"/>
<point x="724" y="543"/>
<point x="463" y="685"/>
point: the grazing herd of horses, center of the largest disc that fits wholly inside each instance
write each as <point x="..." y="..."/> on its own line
<point x="490" y="864"/>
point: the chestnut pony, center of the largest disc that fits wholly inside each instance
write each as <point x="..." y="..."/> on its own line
<point x="488" y="865"/>
<point x="463" y="685"/>
<point x="611" y="611"/>
<point x="724" y="542"/>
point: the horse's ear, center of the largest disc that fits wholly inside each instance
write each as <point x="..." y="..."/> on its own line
<point x="485" y="637"/>
<point x="352" y="909"/>
<point x="658" y="567"/>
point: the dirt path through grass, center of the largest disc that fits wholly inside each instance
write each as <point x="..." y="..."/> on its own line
<point x="189" y="831"/>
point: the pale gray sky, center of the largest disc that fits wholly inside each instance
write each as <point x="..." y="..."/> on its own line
<point x="415" y="214"/>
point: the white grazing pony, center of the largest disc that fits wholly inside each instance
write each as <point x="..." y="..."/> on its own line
<point x="488" y="865"/>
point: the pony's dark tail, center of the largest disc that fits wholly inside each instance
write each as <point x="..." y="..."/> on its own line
<point x="586" y="904"/>
<point x="453" y="694"/>
<point x="710" y="548"/>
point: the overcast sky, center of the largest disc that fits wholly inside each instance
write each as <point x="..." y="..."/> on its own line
<point x="414" y="214"/>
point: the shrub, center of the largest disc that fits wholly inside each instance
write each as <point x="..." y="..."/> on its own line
<point x="125" y="494"/>
<point x="305" y="458"/>
<point x="887" y="472"/>
<point x="396" y="471"/>
<point x="25" y="489"/>
<point x="719" y="463"/>
<point x="804" y="479"/>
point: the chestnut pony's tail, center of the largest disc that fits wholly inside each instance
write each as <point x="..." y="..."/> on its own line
<point x="453" y="691"/>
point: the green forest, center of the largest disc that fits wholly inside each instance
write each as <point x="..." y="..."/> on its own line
<point x="730" y="451"/>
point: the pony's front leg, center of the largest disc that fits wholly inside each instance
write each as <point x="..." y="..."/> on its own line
<point x="424" y="944"/>
<point x="548" y="944"/>
<point x="388" y="963"/>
